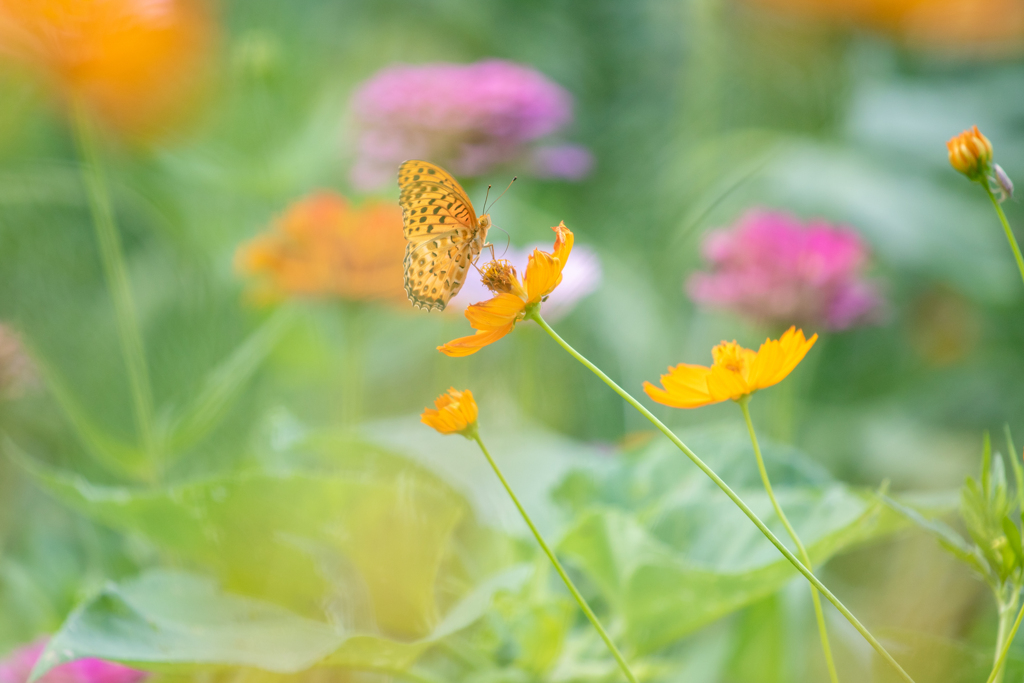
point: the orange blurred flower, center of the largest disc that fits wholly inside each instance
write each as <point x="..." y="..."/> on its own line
<point x="455" y="413"/>
<point x="494" y="318"/>
<point x="970" y="153"/>
<point x="323" y="246"/>
<point x="976" y="26"/>
<point x="132" y="62"/>
<point x="736" y="373"/>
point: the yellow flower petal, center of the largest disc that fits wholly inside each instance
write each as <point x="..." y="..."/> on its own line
<point x="496" y="312"/>
<point x="563" y="243"/>
<point x="543" y="273"/>
<point x="725" y="383"/>
<point x="494" y="318"/>
<point x="686" y="386"/>
<point x="467" y="346"/>
<point x="776" y="359"/>
<point x="454" y="412"/>
<point x="736" y="372"/>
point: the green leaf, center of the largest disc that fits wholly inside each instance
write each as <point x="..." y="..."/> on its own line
<point x="223" y="385"/>
<point x="367" y="536"/>
<point x="939" y="529"/>
<point x="947" y="537"/>
<point x="986" y="465"/>
<point x="178" y="621"/>
<point x="166" y="617"/>
<point x="116" y="456"/>
<point x="1018" y="469"/>
<point x="1013" y="537"/>
<point x="670" y="553"/>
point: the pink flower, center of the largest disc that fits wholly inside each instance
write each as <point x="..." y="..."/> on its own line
<point x="465" y="117"/>
<point x="17" y="667"/>
<point x="568" y="162"/>
<point x="775" y="270"/>
<point x="17" y="372"/>
<point x="580" y="277"/>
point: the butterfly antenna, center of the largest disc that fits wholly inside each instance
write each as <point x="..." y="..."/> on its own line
<point x="508" y="240"/>
<point x="486" y="195"/>
<point x="514" y="178"/>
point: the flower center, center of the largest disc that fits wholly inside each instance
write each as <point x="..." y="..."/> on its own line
<point x="499" y="276"/>
<point x="731" y="356"/>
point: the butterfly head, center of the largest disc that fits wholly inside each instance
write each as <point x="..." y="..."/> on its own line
<point x="485" y="221"/>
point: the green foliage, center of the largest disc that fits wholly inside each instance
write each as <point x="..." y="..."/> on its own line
<point x="671" y="554"/>
<point x="179" y="621"/>
<point x="315" y="531"/>
<point x="394" y="545"/>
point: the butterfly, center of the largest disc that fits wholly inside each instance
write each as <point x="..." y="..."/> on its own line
<point x="444" y="235"/>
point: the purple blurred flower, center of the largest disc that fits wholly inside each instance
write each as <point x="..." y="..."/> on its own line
<point x="568" y="162"/>
<point x="17" y="667"/>
<point x="580" y="277"/>
<point x="774" y="270"/>
<point x="466" y="117"/>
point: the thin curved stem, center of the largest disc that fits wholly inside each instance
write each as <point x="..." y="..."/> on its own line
<point x="1003" y="642"/>
<point x="558" y="565"/>
<point x="112" y="256"/>
<point x="535" y="315"/>
<point x="804" y="556"/>
<point x="1006" y="228"/>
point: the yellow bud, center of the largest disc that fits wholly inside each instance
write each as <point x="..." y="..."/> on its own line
<point x="970" y="153"/>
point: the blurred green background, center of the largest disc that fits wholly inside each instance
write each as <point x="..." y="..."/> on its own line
<point x="298" y="540"/>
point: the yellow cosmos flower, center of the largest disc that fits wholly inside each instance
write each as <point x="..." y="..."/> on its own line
<point x="454" y="413"/>
<point x="737" y="372"/>
<point x="970" y="153"/>
<point x="494" y="318"/>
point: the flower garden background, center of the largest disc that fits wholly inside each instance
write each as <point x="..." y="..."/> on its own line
<point x="220" y="462"/>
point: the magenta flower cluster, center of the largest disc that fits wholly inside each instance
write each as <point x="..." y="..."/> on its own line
<point x="466" y="117"/>
<point x="17" y="667"/>
<point x="773" y="270"/>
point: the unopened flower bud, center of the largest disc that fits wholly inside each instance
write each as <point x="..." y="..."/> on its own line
<point x="970" y="153"/>
<point x="1004" y="182"/>
<point x="454" y="412"/>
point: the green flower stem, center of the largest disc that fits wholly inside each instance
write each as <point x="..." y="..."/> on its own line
<point x="116" y="274"/>
<point x="1006" y="228"/>
<point x="534" y="314"/>
<point x="554" y="561"/>
<point x="804" y="556"/>
<point x="1004" y="639"/>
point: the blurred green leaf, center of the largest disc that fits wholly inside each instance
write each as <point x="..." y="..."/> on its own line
<point x="986" y="465"/>
<point x="367" y="531"/>
<point x="115" y="455"/>
<point x="1013" y="538"/>
<point x="178" y="618"/>
<point x="946" y="536"/>
<point x="1018" y="470"/>
<point x="225" y="383"/>
<point x="670" y="553"/>
<point x="180" y="621"/>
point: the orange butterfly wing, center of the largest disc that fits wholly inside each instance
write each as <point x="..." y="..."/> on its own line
<point x="443" y="232"/>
